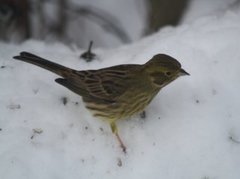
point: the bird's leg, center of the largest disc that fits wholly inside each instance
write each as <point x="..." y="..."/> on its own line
<point x="115" y="131"/>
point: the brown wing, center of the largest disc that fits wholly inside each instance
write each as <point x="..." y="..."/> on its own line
<point x="104" y="84"/>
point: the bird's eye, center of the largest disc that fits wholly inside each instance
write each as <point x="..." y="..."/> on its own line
<point x="168" y="73"/>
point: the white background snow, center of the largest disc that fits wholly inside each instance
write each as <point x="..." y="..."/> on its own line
<point x="192" y="128"/>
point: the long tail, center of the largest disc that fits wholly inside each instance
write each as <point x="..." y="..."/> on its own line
<point x="48" y="65"/>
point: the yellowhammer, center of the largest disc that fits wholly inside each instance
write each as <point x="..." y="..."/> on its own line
<point x="115" y="92"/>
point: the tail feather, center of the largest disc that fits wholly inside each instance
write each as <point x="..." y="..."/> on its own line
<point x="43" y="63"/>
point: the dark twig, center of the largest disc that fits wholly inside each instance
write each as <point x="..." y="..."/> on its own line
<point x="88" y="55"/>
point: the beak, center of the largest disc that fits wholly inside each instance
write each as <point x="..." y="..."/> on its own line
<point x="182" y="72"/>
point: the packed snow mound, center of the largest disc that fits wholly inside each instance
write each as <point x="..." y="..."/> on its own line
<point x="191" y="129"/>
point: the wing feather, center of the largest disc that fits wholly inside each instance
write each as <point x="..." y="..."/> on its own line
<point x="105" y="84"/>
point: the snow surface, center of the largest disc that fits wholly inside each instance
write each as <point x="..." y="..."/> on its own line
<point x="192" y="128"/>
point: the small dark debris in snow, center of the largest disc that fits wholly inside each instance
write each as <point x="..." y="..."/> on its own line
<point x="143" y="115"/>
<point x="197" y="101"/>
<point x="35" y="91"/>
<point x="82" y="160"/>
<point x="14" y="106"/>
<point x="101" y="129"/>
<point x="159" y="117"/>
<point x="214" y="92"/>
<point x="64" y="100"/>
<point x="93" y="139"/>
<point x="119" y="162"/>
<point x="0" y="129"/>
<point x="86" y="127"/>
<point x="205" y="177"/>
<point x="154" y="144"/>
<point x="233" y="139"/>
<point x="36" y="131"/>
<point x="76" y="103"/>
<point x="3" y="66"/>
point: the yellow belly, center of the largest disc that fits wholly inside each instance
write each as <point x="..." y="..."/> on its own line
<point x="122" y="108"/>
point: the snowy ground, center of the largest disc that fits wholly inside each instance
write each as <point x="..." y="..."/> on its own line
<point x="192" y="128"/>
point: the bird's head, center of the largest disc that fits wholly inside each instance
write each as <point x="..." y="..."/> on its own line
<point x="163" y="69"/>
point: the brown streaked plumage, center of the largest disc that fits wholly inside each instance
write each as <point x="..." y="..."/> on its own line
<point x="115" y="92"/>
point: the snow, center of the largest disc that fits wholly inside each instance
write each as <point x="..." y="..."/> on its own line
<point x="117" y="9"/>
<point x="136" y="13"/>
<point x="200" y="8"/>
<point x="191" y="129"/>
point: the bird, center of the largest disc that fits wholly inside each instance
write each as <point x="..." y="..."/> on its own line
<point x="116" y="92"/>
